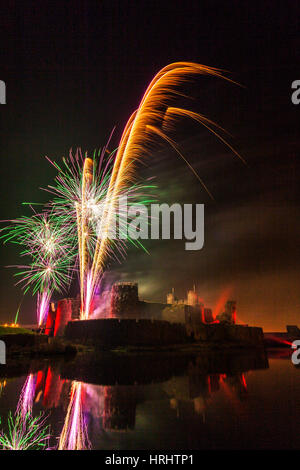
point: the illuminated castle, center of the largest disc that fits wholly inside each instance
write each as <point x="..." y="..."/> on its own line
<point x="123" y="303"/>
<point x="194" y="301"/>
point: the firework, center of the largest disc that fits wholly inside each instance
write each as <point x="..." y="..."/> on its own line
<point x="78" y="194"/>
<point x="41" y="235"/>
<point x="45" y="274"/>
<point x="83" y="211"/>
<point x="17" y="313"/>
<point x="43" y="302"/>
<point x="79" y="201"/>
<point x="87" y="191"/>
<point x="153" y="117"/>
<point x="25" y="433"/>
<point x="51" y="251"/>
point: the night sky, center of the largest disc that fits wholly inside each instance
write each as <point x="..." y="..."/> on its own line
<point x="76" y="69"/>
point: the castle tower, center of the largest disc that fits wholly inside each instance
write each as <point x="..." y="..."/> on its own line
<point x="67" y="310"/>
<point x="230" y="310"/>
<point x="171" y="297"/>
<point x="124" y="300"/>
<point x="49" y="328"/>
<point x="192" y="298"/>
<point x="63" y="316"/>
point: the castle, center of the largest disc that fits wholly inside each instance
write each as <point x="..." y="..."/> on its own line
<point x="123" y="302"/>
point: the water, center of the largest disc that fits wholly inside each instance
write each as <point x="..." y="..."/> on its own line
<point x="174" y="401"/>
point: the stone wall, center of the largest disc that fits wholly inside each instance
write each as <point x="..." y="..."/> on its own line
<point x="50" y="323"/>
<point x="66" y="310"/>
<point x="111" y="332"/>
<point x="224" y="332"/>
<point x="182" y="313"/>
<point x="63" y="316"/>
<point x="150" y="310"/>
<point x="252" y="335"/>
<point x="176" y="313"/>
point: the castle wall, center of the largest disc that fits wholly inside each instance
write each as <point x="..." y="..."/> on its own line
<point x="63" y="316"/>
<point x="175" y="313"/>
<point x="67" y="310"/>
<point x="113" y="332"/>
<point x="224" y="332"/>
<point x="50" y="323"/>
<point x="109" y="333"/>
<point x="130" y="321"/>
<point x="150" y="310"/>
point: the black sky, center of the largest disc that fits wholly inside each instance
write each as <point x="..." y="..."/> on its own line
<point x="76" y="69"/>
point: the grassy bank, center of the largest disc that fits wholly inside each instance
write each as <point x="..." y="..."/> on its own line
<point x="9" y="330"/>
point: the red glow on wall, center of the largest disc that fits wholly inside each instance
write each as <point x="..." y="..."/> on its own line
<point x="243" y="380"/>
<point x="63" y="316"/>
<point x="221" y="301"/>
<point x="50" y="322"/>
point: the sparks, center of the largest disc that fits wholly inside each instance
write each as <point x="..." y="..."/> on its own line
<point x="25" y="433"/>
<point x="51" y="251"/>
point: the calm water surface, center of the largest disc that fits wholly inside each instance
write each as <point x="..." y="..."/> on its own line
<point x="204" y="401"/>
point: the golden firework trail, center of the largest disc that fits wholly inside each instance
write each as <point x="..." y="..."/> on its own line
<point x="152" y="115"/>
<point x="82" y="225"/>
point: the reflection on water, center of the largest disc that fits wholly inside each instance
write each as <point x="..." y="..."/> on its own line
<point x="151" y="401"/>
<point x="74" y="435"/>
